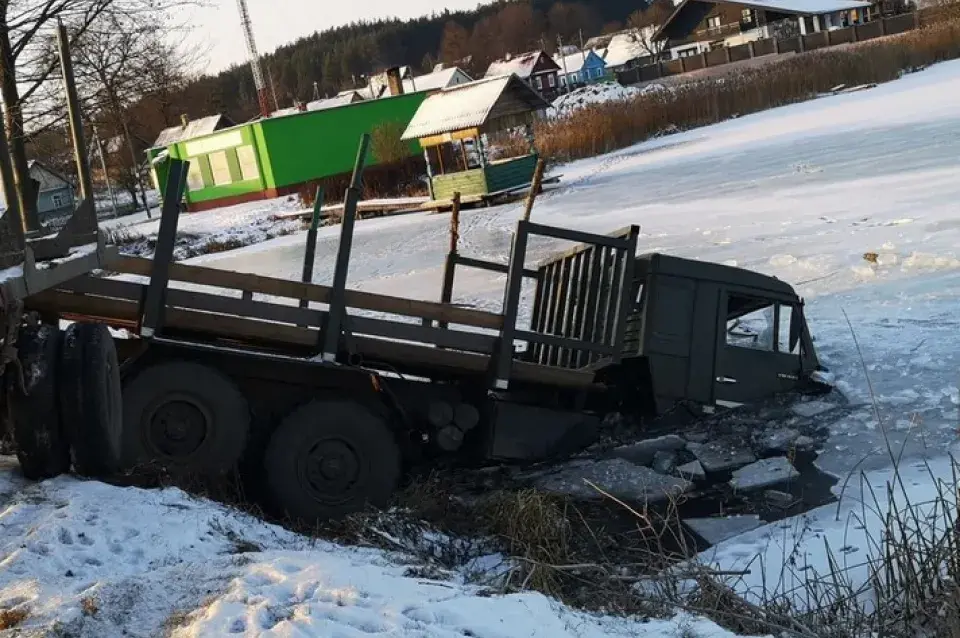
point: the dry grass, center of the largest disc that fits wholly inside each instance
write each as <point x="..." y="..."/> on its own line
<point x="12" y="618"/>
<point x="602" y="128"/>
<point x="89" y="606"/>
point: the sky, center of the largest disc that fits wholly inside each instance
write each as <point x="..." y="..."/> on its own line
<point x="277" y="22"/>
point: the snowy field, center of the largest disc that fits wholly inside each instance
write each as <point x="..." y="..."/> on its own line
<point x="800" y="192"/>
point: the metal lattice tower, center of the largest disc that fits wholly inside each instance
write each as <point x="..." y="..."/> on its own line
<point x="258" y="80"/>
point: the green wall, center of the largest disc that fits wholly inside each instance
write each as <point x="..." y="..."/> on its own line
<point x="317" y="144"/>
<point x="289" y="149"/>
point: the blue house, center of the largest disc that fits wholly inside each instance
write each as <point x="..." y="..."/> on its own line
<point x="56" y="195"/>
<point x="580" y="67"/>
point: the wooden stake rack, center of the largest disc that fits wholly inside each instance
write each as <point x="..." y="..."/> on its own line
<point x="439" y="341"/>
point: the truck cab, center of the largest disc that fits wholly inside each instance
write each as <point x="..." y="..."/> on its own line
<point x="716" y="335"/>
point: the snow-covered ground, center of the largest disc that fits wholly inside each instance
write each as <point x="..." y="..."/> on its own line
<point x="89" y="560"/>
<point x="800" y="192"/>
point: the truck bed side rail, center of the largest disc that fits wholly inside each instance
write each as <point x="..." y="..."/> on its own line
<point x="582" y="301"/>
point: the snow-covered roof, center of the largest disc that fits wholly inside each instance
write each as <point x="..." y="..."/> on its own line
<point x="437" y="80"/>
<point x="342" y="99"/>
<point x="622" y="48"/>
<point x="806" y="7"/>
<point x="194" y="128"/>
<point x="573" y="62"/>
<point x="795" y="7"/>
<point x="473" y="104"/>
<point x="520" y="65"/>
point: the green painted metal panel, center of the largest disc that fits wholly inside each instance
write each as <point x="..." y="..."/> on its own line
<point x="472" y="182"/>
<point x="263" y="157"/>
<point x="511" y="173"/>
<point x="317" y="144"/>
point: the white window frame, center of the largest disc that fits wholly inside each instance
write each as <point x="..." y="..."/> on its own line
<point x="57" y="200"/>
<point x="552" y="80"/>
<point x="713" y="22"/>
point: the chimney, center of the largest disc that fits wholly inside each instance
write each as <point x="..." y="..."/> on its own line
<point x="184" y="120"/>
<point x="394" y="83"/>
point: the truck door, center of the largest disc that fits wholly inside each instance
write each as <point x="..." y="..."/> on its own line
<point x="757" y="355"/>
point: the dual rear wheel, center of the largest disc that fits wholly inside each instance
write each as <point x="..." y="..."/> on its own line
<point x="325" y="459"/>
<point x="67" y="409"/>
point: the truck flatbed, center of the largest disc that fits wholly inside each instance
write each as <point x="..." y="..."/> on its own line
<point x="233" y="314"/>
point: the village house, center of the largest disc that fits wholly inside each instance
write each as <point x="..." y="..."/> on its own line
<point x="55" y="193"/>
<point x="579" y="68"/>
<point x="536" y="68"/>
<point x="625" y="49"/>
<point x="697" y="26"/>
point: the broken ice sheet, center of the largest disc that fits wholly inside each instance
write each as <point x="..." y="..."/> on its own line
<point x="763" y="473"/>
<point x="720" y="528"/>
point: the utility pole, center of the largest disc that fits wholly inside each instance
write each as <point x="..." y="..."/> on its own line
<point x="563" y="60"/>
<point x="103" y="165"/>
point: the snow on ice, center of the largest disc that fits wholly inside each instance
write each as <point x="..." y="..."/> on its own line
<point x="886" y="327"/>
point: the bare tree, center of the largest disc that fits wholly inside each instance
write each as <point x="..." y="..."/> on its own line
<point x="121" y="62"/>
<point x="643" y="24"/>
<point x="27" y="64"/>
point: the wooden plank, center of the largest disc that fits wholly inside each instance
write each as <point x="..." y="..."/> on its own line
<point x="556" y="328"/>
<point x="206" y="276"/>
<point x="614" y="296"/>
<point x="584" y="247"/>
<point x="536" y="313"/>
<point x="593" y="289"/>
<point x="567" y="355"/>
<point x="122" y="312"/>
<point x="568" y="234"/>
<point x="492" y="266"/>
<point x="267" y="311"/>
<point x="581" y="292"/>
<point x="564" y="343"/>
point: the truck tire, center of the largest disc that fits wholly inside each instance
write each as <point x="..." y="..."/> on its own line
<point x="185" y="417"/>
<point x="42" y="448"/>
<point x="328" y="459"/>
<point x="91" y="406"/>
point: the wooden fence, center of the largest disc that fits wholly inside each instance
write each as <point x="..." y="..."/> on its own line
<point x="798" y="44"/>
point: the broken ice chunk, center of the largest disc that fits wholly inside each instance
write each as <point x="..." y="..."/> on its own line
<point x="763" y="473"/>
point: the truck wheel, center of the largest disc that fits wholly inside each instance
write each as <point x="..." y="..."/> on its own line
<point x="90" y="401"/>
<point x="42" y="448"/>
<point x="328" y="459"/>
<point x="185" y="417"/>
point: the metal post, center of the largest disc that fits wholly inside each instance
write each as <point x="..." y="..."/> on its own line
<point x="152" y="311"/>
<point x="73" y="113"/>
<point x="103" y="165"/>
<point x="309" y="256"/>
<point x="511" y="301"/>
<point x="338" y="309"/>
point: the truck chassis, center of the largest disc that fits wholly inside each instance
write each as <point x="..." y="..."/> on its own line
<point x="324" y="407"/>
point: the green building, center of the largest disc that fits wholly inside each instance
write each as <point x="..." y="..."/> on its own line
<point x="276" y="156"/>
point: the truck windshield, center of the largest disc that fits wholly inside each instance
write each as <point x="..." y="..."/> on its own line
<point x="757" y="323"/>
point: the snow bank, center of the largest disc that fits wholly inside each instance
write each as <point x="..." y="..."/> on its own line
<point x="87" y="559"/>
<point x="598" y="94"/>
